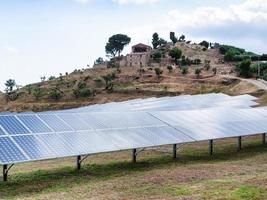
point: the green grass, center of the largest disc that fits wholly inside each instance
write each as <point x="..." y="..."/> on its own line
<point x="249" y="192"/>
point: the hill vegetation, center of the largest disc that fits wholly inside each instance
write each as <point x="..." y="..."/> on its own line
<point x="183" y="67"/>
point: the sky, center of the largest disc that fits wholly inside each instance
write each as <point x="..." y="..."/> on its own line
<point x="48" y="37"/>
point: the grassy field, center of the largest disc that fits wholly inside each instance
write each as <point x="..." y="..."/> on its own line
<point x="228" y="174"/>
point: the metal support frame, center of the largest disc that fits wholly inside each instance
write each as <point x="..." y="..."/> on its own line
<point x="210" y="147"/>
<point x="5" y="171"/>
<point x="239" y="143"/>
<point x="174" y="151"/>
<point x="264" y="138"/>
<point x="135" y="153"/>
<point x="78" y="163"/>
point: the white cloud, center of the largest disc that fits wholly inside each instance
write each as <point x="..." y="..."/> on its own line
<point x="137" y="2"/>
<point x="82" y="1"/>
<point x="9" y="49"/>
<point x="237" y="23"/>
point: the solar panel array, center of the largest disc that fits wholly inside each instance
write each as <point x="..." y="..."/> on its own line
<point x="40" y="136"/>
<point x="186" y="102"/>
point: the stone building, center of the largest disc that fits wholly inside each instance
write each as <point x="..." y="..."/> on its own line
<point x="139" y="56"/>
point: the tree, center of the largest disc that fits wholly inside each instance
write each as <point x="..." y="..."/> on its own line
<point x="116" y="44"/>
<point x="173" y="38"/>
<point x="182" y="38"/>
<point x="109" y="80"/>
<point x="158" y="72"/>
<point x="162" y="42"/>
<point x="205" y="44"/>
<point x="230" y="54"/>
<point x="197" y="72"/>
<point x="244" y="69"/>
<point x="155" y="40"/>
<point x="10" y="84"/>
<point x="51" y="78"/>
<point x="43" y="78"/>
<point x="175" y="53"/>
<point x="99" y="61"/>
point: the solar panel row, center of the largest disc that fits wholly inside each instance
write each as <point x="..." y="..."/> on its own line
<point x="43" y="136"/>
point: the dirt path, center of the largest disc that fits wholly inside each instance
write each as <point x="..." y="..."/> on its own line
<point x="261" y="84"/>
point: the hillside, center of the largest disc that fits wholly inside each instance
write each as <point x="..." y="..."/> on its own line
<point x="84" y="87"/>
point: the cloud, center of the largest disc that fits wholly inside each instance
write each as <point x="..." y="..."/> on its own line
<point x="237" y="22"/>
<point x="136" y="2"/>
<point x="82" y="1"/>
<point x="10" y="49"/>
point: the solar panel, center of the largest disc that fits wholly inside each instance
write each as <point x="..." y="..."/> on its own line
<point x="35" y="149"/>
<point x="2" y="132"/>
<point x="12" y="125"/>
<point x="57" y="145"/>
<point x="73" y="121"/>
<point x="9" y="152"/>
<point x="34" y="124"/>
<point x="55" y="123"/>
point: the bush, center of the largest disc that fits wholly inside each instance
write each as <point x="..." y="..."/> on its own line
<point x="205" y="44"/>
<point x="158" y="72"/>
<point x="156" y="56"/>
<point x="170" y="68"/>
<point x="214" y="70"/>
<point x="244" y="69"/>
<point x="37" y="93"/>
<point x="175" y="53"/>
<point x="82" y="90"/>
<point x="55" y="94"/>
<point x="184" y="70"/>
<point x="197" y="72"/>
<point x="51" y="78"/>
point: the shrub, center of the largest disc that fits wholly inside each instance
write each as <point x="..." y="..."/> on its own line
<point x="205" y="44"/>
<point x="156" y="56"/>
<point x="82" y="90"/>
<point x="170" y="68"/>
<point x="158" y="72"/>
<point x="197" y="72"/>
<point x="109" y="80"/>
<point x="37" y="93"/>
<point x="214" y="70"/>
<point x="244" y="69"/>
<point x="29" y="88"/>
<point x="55" y="94"/>
<point x="51" y="78"/>
<point x="175" y="53"/>
<point x="184" y="70"/>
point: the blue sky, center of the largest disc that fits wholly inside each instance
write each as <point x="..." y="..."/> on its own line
<point x="48" y="37"/>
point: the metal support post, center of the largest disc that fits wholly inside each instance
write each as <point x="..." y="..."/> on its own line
<point x="174" y="151"/>
<point x="239" y="143"/>
<point x="78" y="163"/>
<point x="5" y="173"/>
<point x="264" y="138"/>
<point x="211" y="147"/>
<point x="134" y="153"/>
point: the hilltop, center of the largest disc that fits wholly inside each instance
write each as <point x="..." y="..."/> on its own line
<point x="116" y="82"/>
